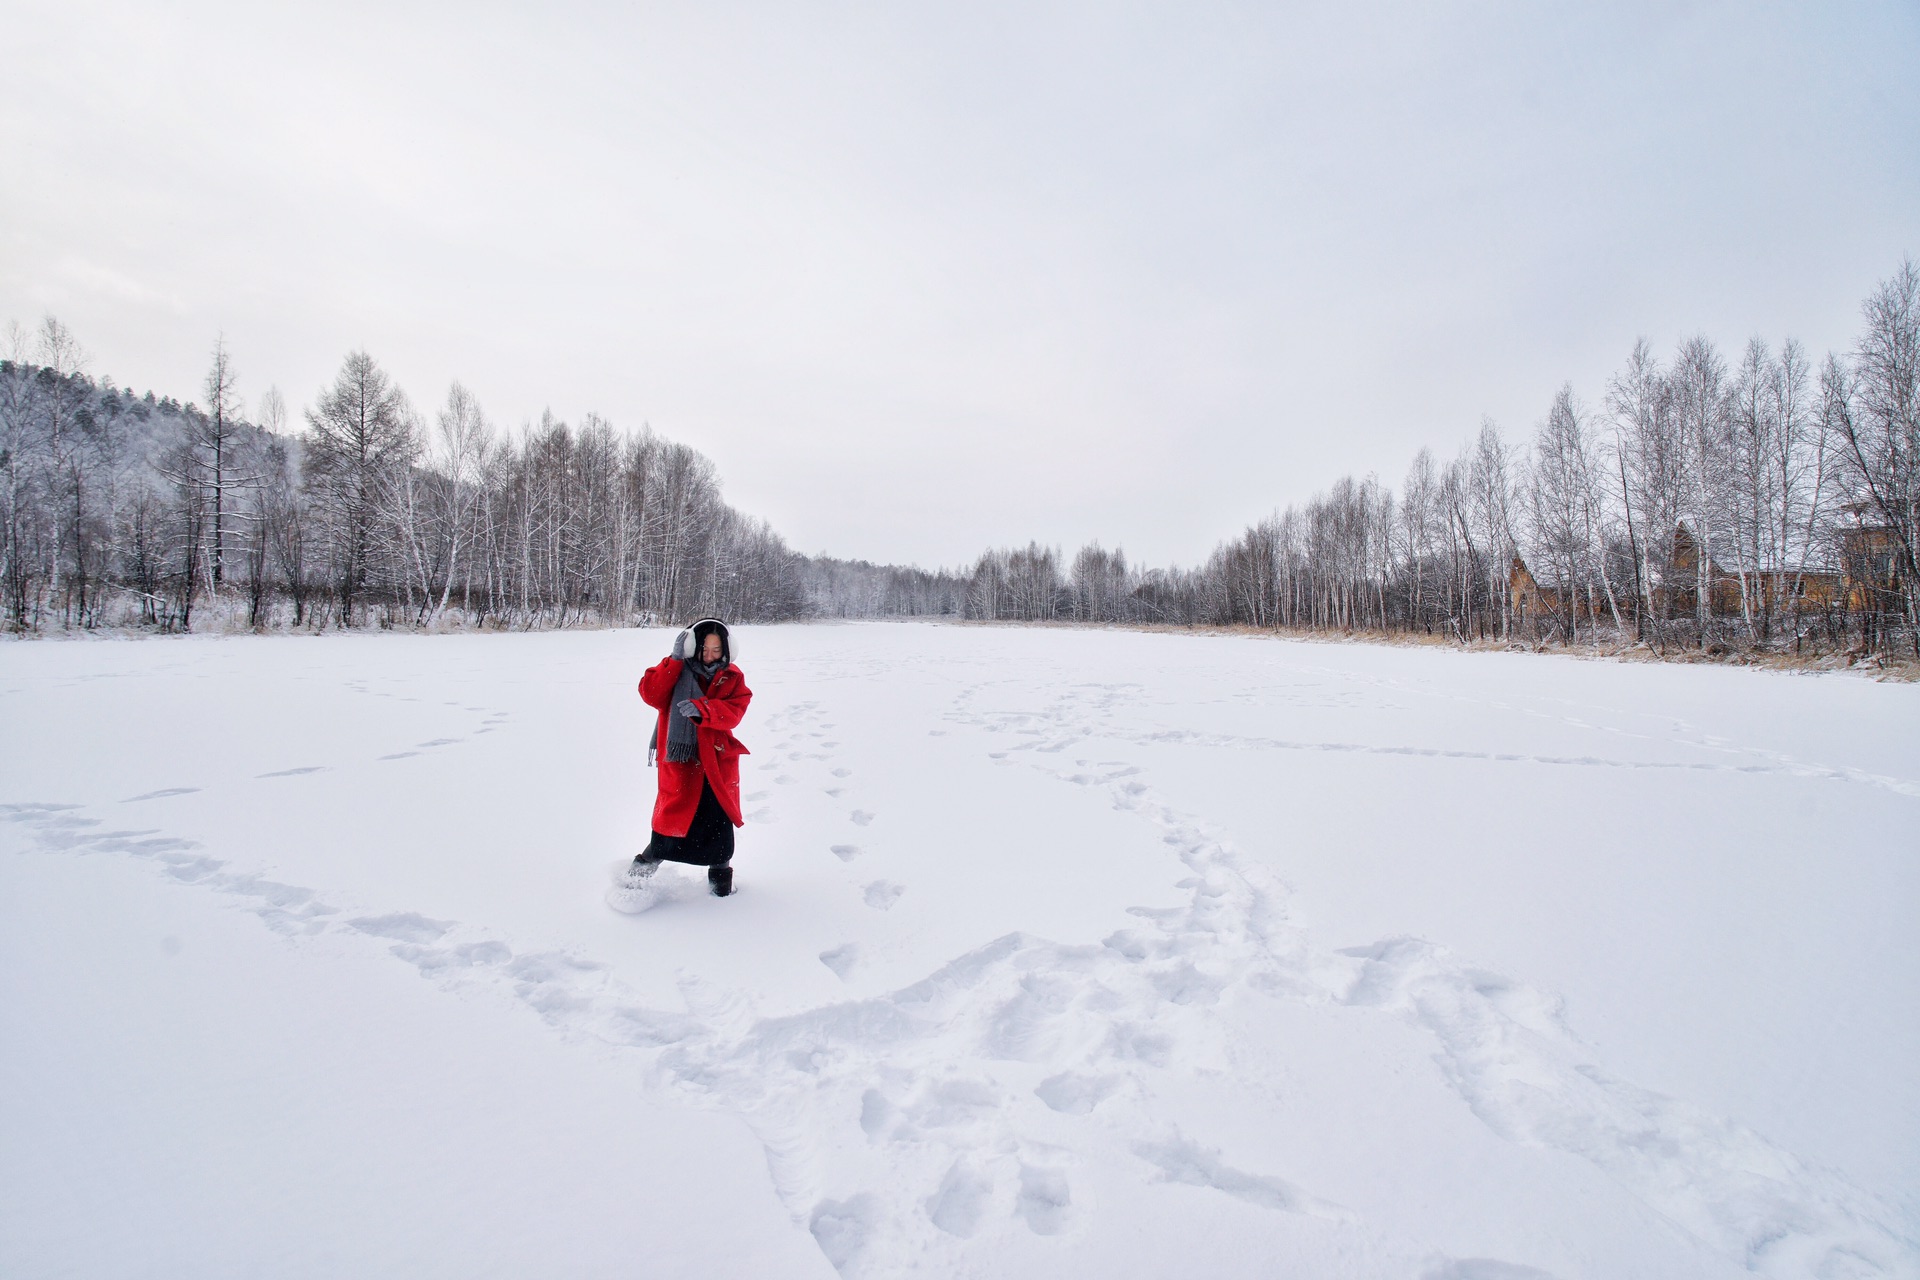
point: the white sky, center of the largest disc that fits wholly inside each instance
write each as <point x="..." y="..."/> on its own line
<point x="925" y="278"/>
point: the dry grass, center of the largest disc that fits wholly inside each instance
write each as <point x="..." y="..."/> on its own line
<point x="230" y="619"/>
<point x="1877" y="666"/>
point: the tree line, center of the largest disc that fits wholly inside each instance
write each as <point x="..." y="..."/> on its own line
<point x="1701" y="501"/>
<point x="116" y="508"/>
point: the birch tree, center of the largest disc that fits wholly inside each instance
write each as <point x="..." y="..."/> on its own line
<point x="1879" y="428"/>
<point x="1698" y="383"/>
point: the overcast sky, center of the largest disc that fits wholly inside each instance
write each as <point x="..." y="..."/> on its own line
<point x="925" y="278"/>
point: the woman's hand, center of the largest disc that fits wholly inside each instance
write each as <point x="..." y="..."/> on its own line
<point x="683" y="645"/>
<point x="686" y="708"/>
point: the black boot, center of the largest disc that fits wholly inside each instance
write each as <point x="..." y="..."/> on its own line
<point x="720" y="881"/>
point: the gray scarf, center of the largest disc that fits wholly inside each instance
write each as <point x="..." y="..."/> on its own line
<point x="683" y="744"/>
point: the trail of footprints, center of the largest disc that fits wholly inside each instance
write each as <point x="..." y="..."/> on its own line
<point x="906" y="1124"/>
<point x="489" y="723"/>
<point x="806" y="737"/>
<point x="901" y="1125"/>
<point x="1739" y="757"/>
<point x="1504" y="1047"/>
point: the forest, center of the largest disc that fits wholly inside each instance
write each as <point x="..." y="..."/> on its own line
<point x="1700" y="501"/>
<point x="120" y="509"/>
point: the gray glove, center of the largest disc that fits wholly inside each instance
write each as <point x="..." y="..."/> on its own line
<point x="686" y="708"/>
<point x="683" y="645"/>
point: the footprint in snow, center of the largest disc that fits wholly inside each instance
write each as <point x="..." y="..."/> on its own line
<point x="403" y="926"/>
<point x="471" y="955"/>
<point x="843" y="773"/>
<point x="841" y="959"/>
<point x="835" y="792"/>
<point x="784" y="778"/>
<point x="400" y="755"/>
<point x="1484" y="1269"/>
<point x="957" y="1207"/>
<point x="760" y="815"/>
<point x="1045" y="1200"/>
<point x="161" y="794"/>
<point x="843" y="1228"/>
<point x="1073" y="1094"/>
<point x="846" y="852"/>
<point x="1184" y="1161"/>
<point x="860" y="817"/>
<point x="437" y="742"/>
<point x="294" y="773"/>
<point x="882" y="894"/>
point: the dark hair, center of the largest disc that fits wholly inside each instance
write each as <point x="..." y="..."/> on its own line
<point x="713" y="626"/>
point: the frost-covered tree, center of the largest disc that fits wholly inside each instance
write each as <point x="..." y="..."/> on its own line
<point x="1878" y="425"/>
<point x="1561" y="508"/>
<point x="1702" y="417"/>
<point x="359" y="437"/>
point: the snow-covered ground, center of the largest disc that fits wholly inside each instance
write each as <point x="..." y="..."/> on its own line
<point x="1057" y="953"/>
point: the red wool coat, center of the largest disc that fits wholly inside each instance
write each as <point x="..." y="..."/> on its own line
<point x="721" y="710"/>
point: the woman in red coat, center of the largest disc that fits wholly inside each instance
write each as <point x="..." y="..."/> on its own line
<point x="701" y="698"/>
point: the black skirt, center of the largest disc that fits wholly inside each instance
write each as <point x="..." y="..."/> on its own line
<point x="709" y="838"/>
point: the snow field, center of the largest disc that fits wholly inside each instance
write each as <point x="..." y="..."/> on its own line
<point x="1102" y="952"/>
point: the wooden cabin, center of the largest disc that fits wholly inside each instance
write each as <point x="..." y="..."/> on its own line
<point x="1870" y="564"/>
<point x="1675" y="593"/>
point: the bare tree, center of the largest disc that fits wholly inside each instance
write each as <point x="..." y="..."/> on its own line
<point x="1699" y="388"/>
<point x="464" y="438"/>
<point x="215" y="448"/>
<point x="359" y="434"/>
<point x="1879" y="430"/>
<point x="19" y="422"/>
<point x="1492" y="504"/>
<point x="1419" y="526"/>
<point x="65" y="427"/>
<point x="1798" y="467"/>
<point x="1562" y="508"/>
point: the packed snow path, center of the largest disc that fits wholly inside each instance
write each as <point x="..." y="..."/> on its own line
<point x="1058" y="952"/>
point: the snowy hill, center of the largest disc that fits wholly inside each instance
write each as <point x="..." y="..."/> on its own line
<point x="1057" y="953"/>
